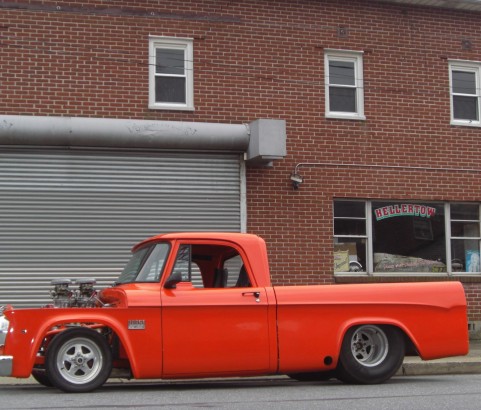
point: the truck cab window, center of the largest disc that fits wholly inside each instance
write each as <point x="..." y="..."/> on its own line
<point x="211" y="266"/>
<point x="236" y="273"/>
<point x="187" y="267"/>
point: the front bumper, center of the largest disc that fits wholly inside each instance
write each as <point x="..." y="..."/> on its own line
<point x="6" y="364"/>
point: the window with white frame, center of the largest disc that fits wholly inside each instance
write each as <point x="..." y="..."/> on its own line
<point x="465" y="92"/>
<point x="405" y="238"/>
<point x="344" y="84"/>
<point x="171" y="78"/>
<point x="465" y="237"/>
<point x="350" y="236"/>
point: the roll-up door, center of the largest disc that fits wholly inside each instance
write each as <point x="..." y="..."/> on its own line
<point x="76" y="213"/>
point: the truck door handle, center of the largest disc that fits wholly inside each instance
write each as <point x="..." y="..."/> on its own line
<point x="255" y="294"/>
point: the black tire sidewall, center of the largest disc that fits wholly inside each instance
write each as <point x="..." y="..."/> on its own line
<point x="313" y="376"/>
<point x="54" y="374"/>
<point x="40" y="375"/>
<point x="351" y="371"/>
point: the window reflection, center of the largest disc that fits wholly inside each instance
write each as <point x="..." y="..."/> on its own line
<point x="406" y="237"/>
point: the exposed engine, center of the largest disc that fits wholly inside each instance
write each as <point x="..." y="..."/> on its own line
<point x="84" y="296"/>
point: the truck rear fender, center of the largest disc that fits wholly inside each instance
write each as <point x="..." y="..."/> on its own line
<point x="424" y="341"/>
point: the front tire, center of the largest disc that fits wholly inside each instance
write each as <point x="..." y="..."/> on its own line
<point x="370" y="354"/>
<point x="40" y="375"/>
<point x="78" y="360"/>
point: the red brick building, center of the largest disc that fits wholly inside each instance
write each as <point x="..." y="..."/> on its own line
<point x="146" y="101"/>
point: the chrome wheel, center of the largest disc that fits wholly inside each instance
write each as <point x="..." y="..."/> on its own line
<point x="369" y="345"/>
<point x="79" y="360"/>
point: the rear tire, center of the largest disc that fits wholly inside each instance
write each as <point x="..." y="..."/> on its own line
<point x="313" y="377"/>
<point x="78" y="360"/>
<point x="370" y="354"/>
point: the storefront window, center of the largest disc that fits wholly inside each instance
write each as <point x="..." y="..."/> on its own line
<point x="349" y="236"/>
<point x="465" y="237"/>
<point x="408" y="237"/>
<point x="387" y="237"/>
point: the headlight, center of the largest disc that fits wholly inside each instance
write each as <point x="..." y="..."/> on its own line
<point x="3" y="324"/>
<point x="3" y="329"/>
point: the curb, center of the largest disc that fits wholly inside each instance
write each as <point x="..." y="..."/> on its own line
<point x="440" y="368"/>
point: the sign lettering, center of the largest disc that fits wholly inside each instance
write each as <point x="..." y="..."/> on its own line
<point x="391" y="211"/>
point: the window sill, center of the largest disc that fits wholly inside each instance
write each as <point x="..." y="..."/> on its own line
<point x="466" y="123"/>
<point x="346" y="117"/>
<point x="403" y="277"/>
<point x="171" y="107"/>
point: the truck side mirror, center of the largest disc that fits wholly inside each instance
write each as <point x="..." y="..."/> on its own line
<point x="173" y="280"/>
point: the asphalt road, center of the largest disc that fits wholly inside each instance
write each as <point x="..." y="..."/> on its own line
<point x="419" y="392"/>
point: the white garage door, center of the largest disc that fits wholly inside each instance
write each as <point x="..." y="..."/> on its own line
<point x="76" y="213"/>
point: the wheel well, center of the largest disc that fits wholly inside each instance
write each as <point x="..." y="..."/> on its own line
<point x="410" y="347"/>
<point x="107" y="332"/>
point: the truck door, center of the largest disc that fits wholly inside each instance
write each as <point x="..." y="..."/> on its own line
<point x="213" y="325"/>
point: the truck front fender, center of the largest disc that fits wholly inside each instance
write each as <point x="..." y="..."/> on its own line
<point x="29" y="327"/>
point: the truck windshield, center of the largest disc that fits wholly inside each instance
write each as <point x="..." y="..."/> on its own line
<point x="145" y="265"/>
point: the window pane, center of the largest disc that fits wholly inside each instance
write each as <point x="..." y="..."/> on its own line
<point x="464" y="82"/>
<point x="183" y="263"/>
<point x="465" y="255"/>
<point x="465" y="108"/>
<point x="350" y="209"/>
<point x="169" y="61"/>
<point x="465" y="229"/>
<point x="233" y="267"/>
<point x="134" y="265"/>
<point x="152" y="269"/>
<point x="465" y="212"/>
<point x="349" y="255"/>
<point x="408" y="237"/>
<point x="170" y="90"/>
<point x="350" y="227"/>
<point x="341" y="72"/>
<point x="342" y="99"/>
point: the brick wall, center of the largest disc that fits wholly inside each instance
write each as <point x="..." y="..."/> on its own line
<point x="265" y="59"/>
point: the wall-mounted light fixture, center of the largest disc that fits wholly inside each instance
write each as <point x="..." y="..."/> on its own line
<point x="296" y="180"/>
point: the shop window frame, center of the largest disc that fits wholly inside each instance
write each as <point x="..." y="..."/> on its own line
<point x="458" y="238"/>
<point x="450" y="268"/>
<point x="339" y="239"/>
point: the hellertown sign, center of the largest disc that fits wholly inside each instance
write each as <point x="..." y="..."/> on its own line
<point x="391" y="211"/>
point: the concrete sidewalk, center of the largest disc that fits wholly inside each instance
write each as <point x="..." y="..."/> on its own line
<point x="412" y="366"/>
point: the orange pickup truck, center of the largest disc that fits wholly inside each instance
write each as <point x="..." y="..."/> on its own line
<point x="193" y="305"/>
